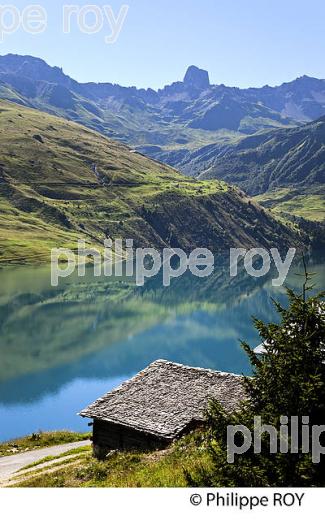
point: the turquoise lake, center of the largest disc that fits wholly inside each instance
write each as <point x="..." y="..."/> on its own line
<point x="61" y="348"/>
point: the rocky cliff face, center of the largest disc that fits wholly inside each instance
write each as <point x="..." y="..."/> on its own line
<point x="197" y="78"/>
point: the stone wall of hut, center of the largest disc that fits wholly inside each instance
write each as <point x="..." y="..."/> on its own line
<point x="109" y="436"/>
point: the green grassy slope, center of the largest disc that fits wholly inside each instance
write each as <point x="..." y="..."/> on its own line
<point x="310" y="206"/>
<point x="283" y="169"/>
<point x="60" y="181"/>
<point x="271" y="160"/>
<point x="40" y="440"/>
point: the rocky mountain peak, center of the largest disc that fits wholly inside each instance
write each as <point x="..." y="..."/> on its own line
<point x="197" y="78"/>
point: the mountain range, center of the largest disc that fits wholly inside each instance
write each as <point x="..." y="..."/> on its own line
<point x="253" y="138"/>
<point x="286" y="165"/>
<point x="183" y="115"/>
<point x="60" y="181"/>
<point x="65" y="169"/>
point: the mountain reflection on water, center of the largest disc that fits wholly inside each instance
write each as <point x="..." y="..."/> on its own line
<point x="62" y="347"/>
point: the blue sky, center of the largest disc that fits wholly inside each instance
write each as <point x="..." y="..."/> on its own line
<point x="241" y="42"/>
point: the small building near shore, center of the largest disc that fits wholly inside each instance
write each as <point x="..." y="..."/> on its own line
<point x="158" y="405"/>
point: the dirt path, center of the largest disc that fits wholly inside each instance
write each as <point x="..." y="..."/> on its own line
<point x="10" y="465"/>
<point x="42" y="469"/>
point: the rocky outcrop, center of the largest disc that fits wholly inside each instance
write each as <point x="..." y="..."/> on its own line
<point x="197" y="78"/>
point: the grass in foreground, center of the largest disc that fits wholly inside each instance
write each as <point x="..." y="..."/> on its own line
<point x="40" y="440"/>
<point x="76" y="451"/>
<point x="166" y="468"/>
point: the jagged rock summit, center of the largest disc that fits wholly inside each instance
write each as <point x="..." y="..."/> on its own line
<point x="197" y="78"/>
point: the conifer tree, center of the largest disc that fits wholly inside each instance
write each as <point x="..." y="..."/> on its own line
<point x="288" y="381"/>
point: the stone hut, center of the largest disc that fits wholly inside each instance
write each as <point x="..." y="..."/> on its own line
<point x="158" y="405"/>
